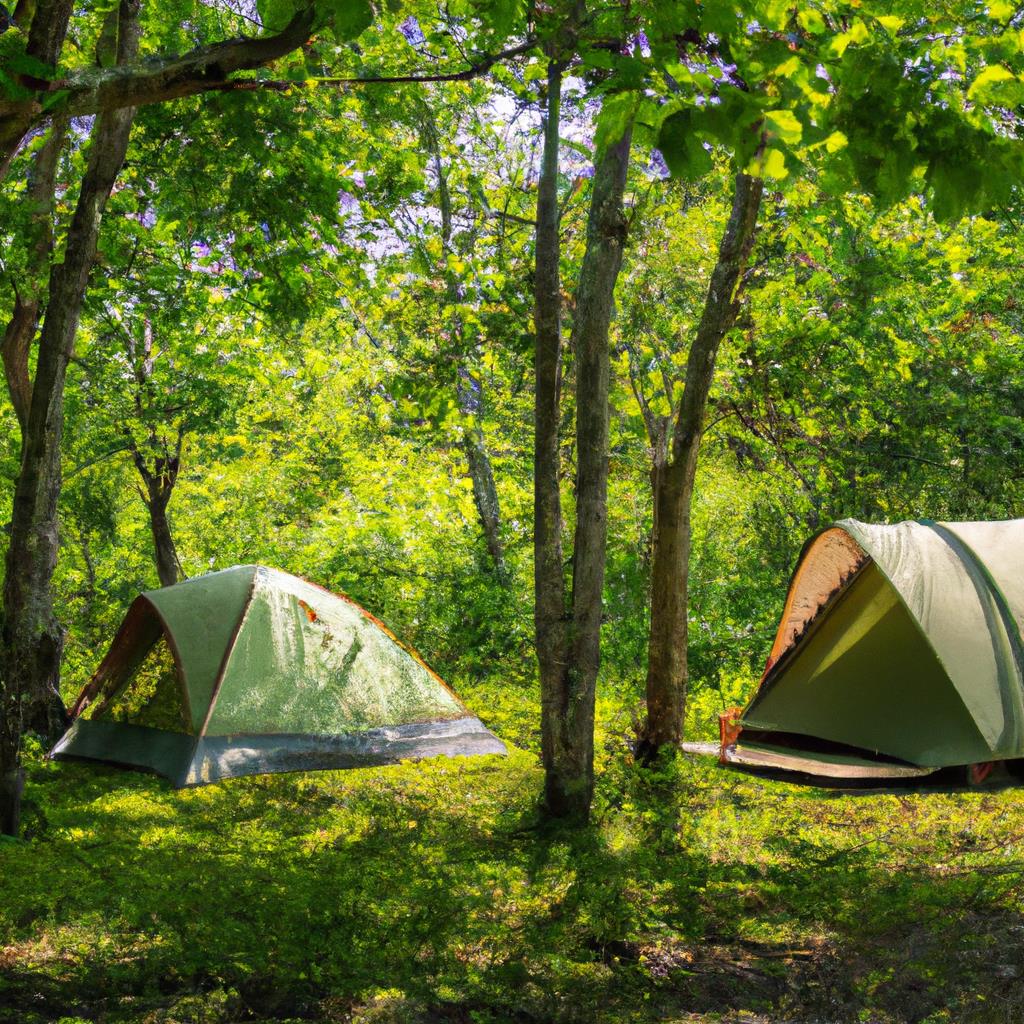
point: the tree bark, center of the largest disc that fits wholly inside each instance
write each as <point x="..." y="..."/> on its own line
<point x="160" y="477"/>
<point x="549" y="580"/>
<point x="156" y="497"/>
<point x="28" y="302"/>
<point x="485" y="492"/>
<point x="167" y="565"/>
<point x="31" y="639"/>
<point x="667" y="674"/>
<point x="569" y="640"/>
<point x="602" y="260"/>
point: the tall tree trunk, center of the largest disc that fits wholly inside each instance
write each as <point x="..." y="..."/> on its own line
<point x="469" y="389"/>
<point x="571" y="789"/>
<point x="31" y="639"/>
<point x="549" y="580"/>
<point x="569" y="636"/>
<point x="674" y="478"/>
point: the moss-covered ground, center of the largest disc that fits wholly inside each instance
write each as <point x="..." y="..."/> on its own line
<point x="428" y="892"/>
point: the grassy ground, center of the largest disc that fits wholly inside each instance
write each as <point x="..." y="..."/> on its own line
<point x="426" y="892"/>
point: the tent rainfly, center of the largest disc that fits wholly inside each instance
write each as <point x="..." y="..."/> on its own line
<point x="251" y="670"/>
<point x="899" y="652"/>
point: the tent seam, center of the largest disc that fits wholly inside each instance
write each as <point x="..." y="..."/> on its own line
<point x="219" y="680"/>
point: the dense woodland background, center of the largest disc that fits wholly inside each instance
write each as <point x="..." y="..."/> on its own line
<point x="306" y="338"/>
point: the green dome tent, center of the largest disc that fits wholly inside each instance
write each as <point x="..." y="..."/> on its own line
<point x="251" y="670"/>
<point x="899" y="652"/>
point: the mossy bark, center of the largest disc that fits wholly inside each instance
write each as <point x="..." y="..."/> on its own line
<point x="568" y="632"/>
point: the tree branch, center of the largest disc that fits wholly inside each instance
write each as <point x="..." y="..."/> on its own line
<point x="95" y="90"/>
<point x="203" y="70"/>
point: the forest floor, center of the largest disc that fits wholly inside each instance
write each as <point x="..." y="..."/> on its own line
<point x="427" y="892"/>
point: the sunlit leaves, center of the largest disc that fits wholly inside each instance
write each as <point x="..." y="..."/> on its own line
<point x="345" y="18"/>
<point x="997" y="85"/>
<point x="783" y="125"/>
<point x="616" y="114"/>
<point x="275" y="14"/>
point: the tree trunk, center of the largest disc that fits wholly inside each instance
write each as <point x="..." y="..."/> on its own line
<point x="12" y="783"/>
<point x="570" y="657"/>
<point x="45" y="40"/>
<point x="16" y="346"/>
<point x="485" y="495"/>
<point x="160" y="479"/>
<point x="549" y="580"/>
<point x="469" y="390"/>
<point x="31" y="640"/>
<point x="167" y="565"/>
<point x="673" y="481"/>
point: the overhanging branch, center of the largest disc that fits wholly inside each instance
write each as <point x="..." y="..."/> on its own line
<point x="203" y="70"/>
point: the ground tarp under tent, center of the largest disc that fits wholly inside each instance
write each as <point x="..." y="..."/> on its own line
<point x="899" y="653"/>
<point x="250" y="670"/>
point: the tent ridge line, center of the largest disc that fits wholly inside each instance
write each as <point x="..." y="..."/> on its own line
<point x="915" y="619"/>
<point x="961" y="548"/>
<point x="229" y="648"/>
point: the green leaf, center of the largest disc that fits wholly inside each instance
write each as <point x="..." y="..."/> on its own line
<point x="616" y="113"/>
<point x="499" y="16"/>
<point x="771" y="164"/>
<point x="996" y="85"/>
<point x="275" y="14"/>
<point x="720" y="17"/>
<point x="347" y="18"/>
<point x="890" y="23"/>
<point x="23" y="64"/>
<point x="812" y="20"/>
<point x="683" y="148"/>
<point x="784" y="126"/>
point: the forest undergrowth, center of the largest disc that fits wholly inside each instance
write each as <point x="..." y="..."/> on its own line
<point x="430" y="892"/>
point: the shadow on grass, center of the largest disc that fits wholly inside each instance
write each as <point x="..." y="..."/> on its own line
<point x="426" y="893"/>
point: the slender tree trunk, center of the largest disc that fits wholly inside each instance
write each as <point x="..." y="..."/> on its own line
<point x="569" y="639"/>
<point x="468" y="387"/>
<point x="167" y="565"/>
<point x="485" y="494"/>
<point x="156" y="497"/>
<point x="606" y="237"/>
<point x="549" y="579"/>
<point x="31" y="640"/>
<point x="28" y="301"/>
<point x="159" y="480"/>
<point x="673" y="481"/>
